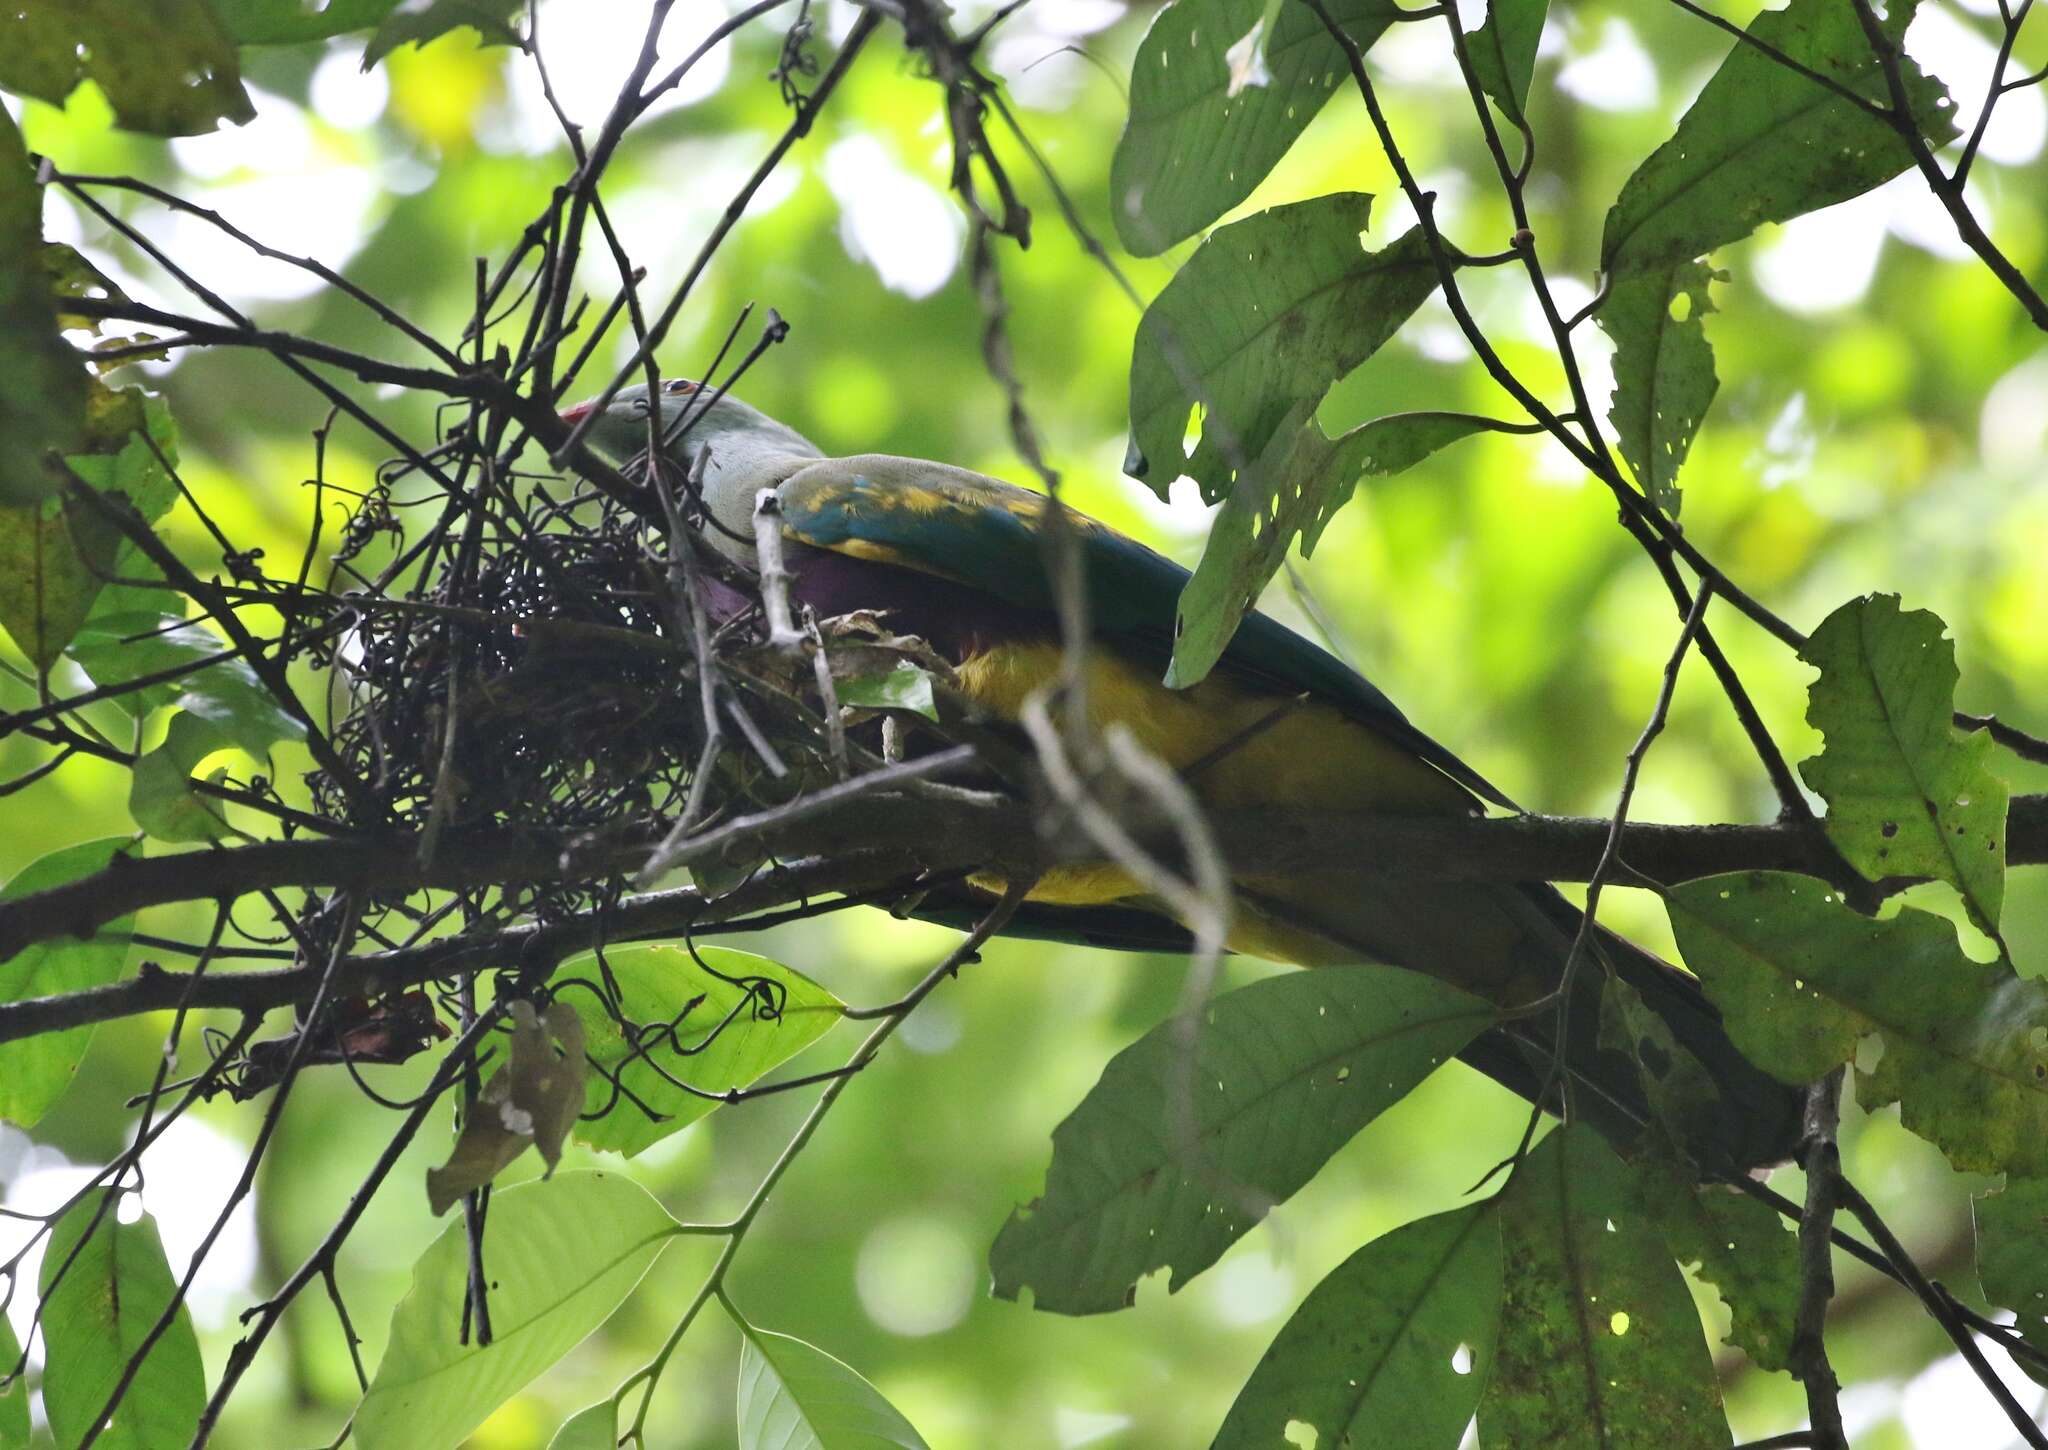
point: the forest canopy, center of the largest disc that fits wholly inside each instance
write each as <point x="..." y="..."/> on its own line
<point x="459" y="987"/>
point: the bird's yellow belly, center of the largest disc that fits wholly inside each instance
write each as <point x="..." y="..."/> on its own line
<point x="1238" y="748"/>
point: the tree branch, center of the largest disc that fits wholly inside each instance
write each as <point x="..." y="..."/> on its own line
<point x="857" y="844"/>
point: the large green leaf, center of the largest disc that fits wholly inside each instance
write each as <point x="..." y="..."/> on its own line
<point x="1216" y="100"/>
<point x="95" y="1319"/>
<point x="1600" y="1347"/>
<point x="563" y="1254"/>
<point x="1765" y="144"/>
<point x="1908" y="794"/>
<point x="224" y="692"/>
<point x="1372" y="1355"/>
<point x="55" y="557"/>
<point x="1503" y="53"/>
<point x="1267" y="314"/>
<point x="1801" y="980"/>
<point x="46" y="382"/>
<point x="2012" y="1255"/>
<point x="1663" y="370"/>
<point x="1168" y="1163"/>
<point x="34" y="1071"/>
<point x="1294" y="487"/>
<point x="167" y="66"/>
<point x="749" y="1030"/>
<point x="794" y="1396"/>
<point x="14" y="1420"/>
<point x="287" y="22"/>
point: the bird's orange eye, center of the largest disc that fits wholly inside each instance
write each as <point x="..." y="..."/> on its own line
<point x="678" y="387"/>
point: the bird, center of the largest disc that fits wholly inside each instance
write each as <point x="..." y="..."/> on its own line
<point x="957" y="558"/>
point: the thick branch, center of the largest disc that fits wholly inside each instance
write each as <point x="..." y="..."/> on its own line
<point x="861" y="843"/>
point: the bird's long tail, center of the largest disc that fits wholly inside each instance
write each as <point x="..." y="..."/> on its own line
<point x="1510" y="943"/>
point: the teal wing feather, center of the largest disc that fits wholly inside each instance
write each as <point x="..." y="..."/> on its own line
<point x="976" y="530"/>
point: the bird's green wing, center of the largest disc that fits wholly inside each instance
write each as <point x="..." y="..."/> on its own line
<point x="953" y="524"/>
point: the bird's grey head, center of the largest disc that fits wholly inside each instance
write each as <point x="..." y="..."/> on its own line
<point x="743" y="449"/>
<point x="692" y="417"/>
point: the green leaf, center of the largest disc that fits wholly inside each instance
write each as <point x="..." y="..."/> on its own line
<point x="14" y="1421"/>
<point x="1267" y="314"/>
<point x="1503" y="53"/>
<point x="288" y="22"/>
<point x="167" y="67"/>
<point x="1801" y="980"/>
<point x="2012" y="1255"/>
<point x="1908" y="794"/>
<point x="563" y="1255"/>
<point x="56" y="556"/>
<point x="1739" y="1246"/>
<point x="226" y="693"/>
<point x="160" y="795"/>
<point x="1294" y="487"/>
<point x="750" y="1030"/>
<point x="1371" y="1356"/>
<point x="1600" y="1346"/>
<point x="593" y="1428"/>
<point x="531" y="1101"/>
<point x="905" y="687"/>
<point x="1765" y="144"/>
<point x="1284" y="1073"/>
<point x="46" y="383"/>
<point x="794" y="1396"/>
<point x="1663" y="370"/>
<point x="1216" y="100"/>
<point x="422" y="21"/>
<point x="34" y="1071"/>
<point x="98" y="1308"/>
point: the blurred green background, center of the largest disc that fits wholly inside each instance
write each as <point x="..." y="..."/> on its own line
<point x="1880" y="426"/>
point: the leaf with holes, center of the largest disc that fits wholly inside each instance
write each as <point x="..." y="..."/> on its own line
<point x="1908" y="794"/>
<point x="1663" y="370"/>
<point x="1219" y="91"/>
<point x="1390" y="1349"/>
<point x="105" y="1284"/>
<point x="167" y="67"/>
<point x="1738" y="1245"/>
<point x="1764" y="143"/>
<point x="1292" y="490"/>
<point x="715" y="1030"/>
<point x="562" y="1256"/>
<point x="2012" y="1257"/>
<point x="1600" y="1347"/>
<point x="1503" y="53"/>
<point x="1268" y="314"/>
<point x="1281" y="1074"/>
<point x="794" y="1396"/>
<point x="34" y="1071"/>
<point x="1801" y="980"/>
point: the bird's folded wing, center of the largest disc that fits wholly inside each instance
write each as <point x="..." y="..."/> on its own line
<point x="977" y="531"/>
